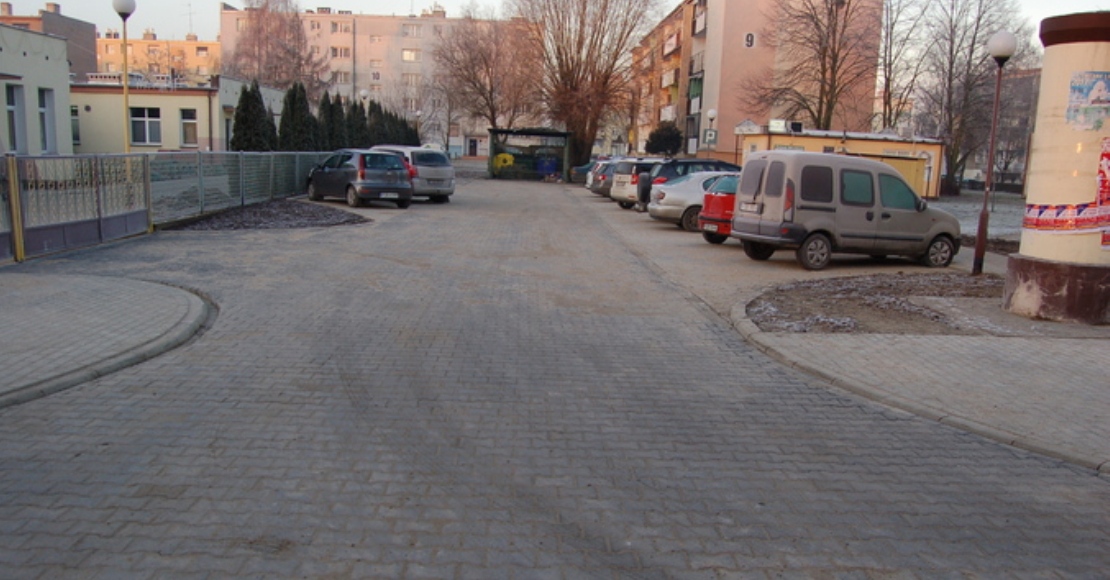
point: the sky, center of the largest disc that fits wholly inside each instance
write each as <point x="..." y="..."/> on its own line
<point x="173" y="19"/>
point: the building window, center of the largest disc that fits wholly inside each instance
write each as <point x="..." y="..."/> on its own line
<point x="46" y="121"/>
<point x="375" y="88"/>
<point x="110" y="48"/>
<point x="75" y="124"/>
<point x="411" y="104"/>
<point x="315" y="50"/>
<point x="240" y="24"/>
<point x="412" y="30"/>
<point x="146" y="126"/>
<point x="341" y="77"/>
<point x="410" y="55"/>
<point x="189" y="128"/>
<point x="410" y="80"/>
<point x="17" y="127"/>
<point x="341" y="52"/>
<point x="376" y="64"/>
<point x="314" y="25"/>
<point x="375" y="38"/>
<point x="202" y="51"/>
<point x="337" y="27"/>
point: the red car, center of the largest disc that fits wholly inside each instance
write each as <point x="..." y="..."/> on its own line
<point x="715" y="220"/>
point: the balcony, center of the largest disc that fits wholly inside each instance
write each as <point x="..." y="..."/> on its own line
<point x="670" y="44"/>
<point x="697" y="64"/>
<point x="700" y="20"/>
<point x="670" y="78"/>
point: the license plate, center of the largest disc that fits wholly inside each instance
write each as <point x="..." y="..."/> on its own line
<point x="749" y="207"/>
<point x="389" y="196"/>
<point x="710" y="227"/>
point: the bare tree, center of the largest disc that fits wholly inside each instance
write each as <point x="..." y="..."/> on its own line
<point x="901" y="63"/>
<point x="488" y="70"/>
<point x="585" y="47"/>
<point x="956" y="96"/>
<point x="826" y="52"/>
<point x="273" y="49"/>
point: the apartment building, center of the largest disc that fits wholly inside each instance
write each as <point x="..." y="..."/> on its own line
<point x="384" y="58"/>
<point x="80" y="36"/>
<point x="191" y="61"/>
<point x="700" y="59"/>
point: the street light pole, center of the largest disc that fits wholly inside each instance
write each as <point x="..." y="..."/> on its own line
<point x="1001" y="47"/>
<point x="125" y="8"/>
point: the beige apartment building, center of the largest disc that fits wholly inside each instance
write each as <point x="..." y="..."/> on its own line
<point x="384" y="58"/>
<point x="191" y="61"/>
<point x="700" y="58"/>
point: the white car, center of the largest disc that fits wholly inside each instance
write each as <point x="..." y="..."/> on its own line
<point x="679" y="200"/>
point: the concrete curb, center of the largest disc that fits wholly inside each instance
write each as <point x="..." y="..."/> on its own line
<point x="197" y="316"/>
<point x="752" y="333"/>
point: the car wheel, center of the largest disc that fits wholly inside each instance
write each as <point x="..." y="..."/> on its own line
<point x="352" y="197"/>
<point x="625" y="204"/>
<point x="714" y="238"/>
<point x="940" y="253"/>
<point x="815" y="252"/>
<point x="312" y="193"/>
<point x="757" y="251"/>
<point x="404" y="203"/>
<point x="690" y="218"/>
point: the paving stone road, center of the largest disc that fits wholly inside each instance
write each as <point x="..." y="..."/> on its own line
<point x="506" y="386"/>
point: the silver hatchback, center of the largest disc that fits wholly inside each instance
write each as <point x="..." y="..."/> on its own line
<point x="433" y="176"/>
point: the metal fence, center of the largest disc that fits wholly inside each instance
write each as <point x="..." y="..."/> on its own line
<point x="50" y="204"/>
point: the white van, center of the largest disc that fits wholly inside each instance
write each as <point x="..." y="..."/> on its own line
<point x="821" y="203"/>
<point x="433" y="176"/>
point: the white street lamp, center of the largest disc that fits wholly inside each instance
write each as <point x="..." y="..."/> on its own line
<point x="125" y="8"/>
<point x="1001" y="47"/>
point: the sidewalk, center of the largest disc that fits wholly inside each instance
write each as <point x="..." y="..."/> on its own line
<point x="58" y="332"/>
<point x="1042" y="387"/>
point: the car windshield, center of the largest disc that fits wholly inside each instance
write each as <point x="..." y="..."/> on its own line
<point x="382" y="161"/>
<point x="433" y="158"/>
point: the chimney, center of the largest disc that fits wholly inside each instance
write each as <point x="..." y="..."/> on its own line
<point x="191" y="37"/>
<point x="54" y="7"/>
<point x="148" y="34"/>
<point x="5" y="8"/>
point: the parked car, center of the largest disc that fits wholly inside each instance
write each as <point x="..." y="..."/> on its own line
<point x="433" y="175"/>
<point x="715" y="218"/>
<point x="679" y="200"/>
<point x="581" y="173"/>
<point x="626" y="176"/>
<point x="359" y="175"/>
<point x="821" y="203"/>
<point x="669" y="169"/>
<point x="601" y="178"/>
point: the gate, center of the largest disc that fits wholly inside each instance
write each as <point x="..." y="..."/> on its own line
<point x="73" y="202"/>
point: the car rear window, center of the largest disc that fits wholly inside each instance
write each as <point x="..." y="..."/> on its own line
<point x="382" y="161"/>
<point x="752" y="177"/>
<point x="624" y="167"/>
<point x="432" y="158"/>
<point x="775" y="176"/>
<point x="726" y="185"/>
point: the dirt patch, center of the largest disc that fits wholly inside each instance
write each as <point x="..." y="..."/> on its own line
<point x="878" y="303"/>
<point x="278" y="214"/>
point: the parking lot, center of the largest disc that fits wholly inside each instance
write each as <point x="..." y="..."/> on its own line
<point x="527" y="382"/>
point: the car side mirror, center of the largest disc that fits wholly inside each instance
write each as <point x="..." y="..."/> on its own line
<point x="922" y="205"/>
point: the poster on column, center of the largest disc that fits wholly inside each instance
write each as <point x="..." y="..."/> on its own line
<point x="1089" y="100"/>
<point x="1103" y="198"/>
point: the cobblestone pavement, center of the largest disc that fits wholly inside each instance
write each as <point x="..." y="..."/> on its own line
<point x="506" y="386"/>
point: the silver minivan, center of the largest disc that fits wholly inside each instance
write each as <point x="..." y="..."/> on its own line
<point x="433" y="176"/>
<point x="821" y="203"/>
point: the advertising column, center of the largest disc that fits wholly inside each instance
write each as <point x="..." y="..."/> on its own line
<point x="1063" y="269"/>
